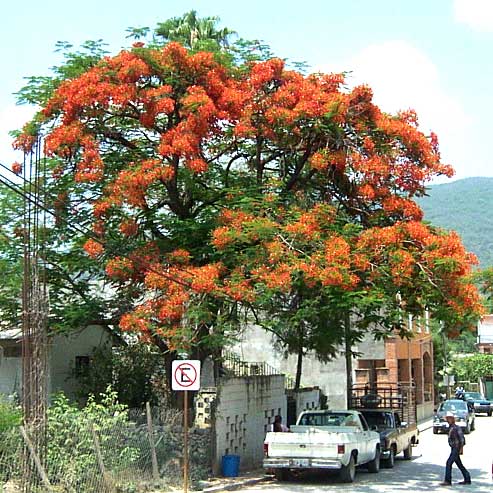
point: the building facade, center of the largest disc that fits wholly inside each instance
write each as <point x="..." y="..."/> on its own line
<point x="485" y="335"/>
<point x="402" y="361"/>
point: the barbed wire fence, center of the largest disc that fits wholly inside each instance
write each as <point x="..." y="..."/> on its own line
<point x="140" y="450"/>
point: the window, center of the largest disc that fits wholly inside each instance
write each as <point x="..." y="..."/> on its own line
<point x="327" y="419"/>
<point x="364" y="423"/>
<point x="82" y="364"/>
<point x="12" y="352"/>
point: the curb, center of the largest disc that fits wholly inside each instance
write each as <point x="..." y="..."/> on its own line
<point x="425" y="425"/>
<point x="236" y="485"/>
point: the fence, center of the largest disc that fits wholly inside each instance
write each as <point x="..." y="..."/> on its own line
<point x="130" y="451"/>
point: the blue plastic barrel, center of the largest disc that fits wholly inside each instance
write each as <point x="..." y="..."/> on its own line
<point x="231" y="466"/>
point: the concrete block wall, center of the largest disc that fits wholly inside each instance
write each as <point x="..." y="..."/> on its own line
<point x="306" y="399"/>
<point x="244" y="410"/>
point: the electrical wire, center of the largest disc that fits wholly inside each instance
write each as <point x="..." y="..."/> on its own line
<point x="32" y="200"/>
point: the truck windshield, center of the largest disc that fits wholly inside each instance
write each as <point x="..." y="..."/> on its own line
<point x="376" y="419"/>
<point x="329" y="419"/>
<point x="473" y="395"/>
<point x="454" y="405"/>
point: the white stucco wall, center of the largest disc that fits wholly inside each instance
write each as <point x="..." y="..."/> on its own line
<point x="64" y="350"/>
<point x="307" y="399"/>
<point x="10" y="375"/>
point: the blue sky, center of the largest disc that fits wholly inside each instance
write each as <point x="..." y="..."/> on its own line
<point x="434" y="56"/>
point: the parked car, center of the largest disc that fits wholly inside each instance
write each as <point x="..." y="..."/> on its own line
<point x="330" y="440"/>
<point x="481" y="405"/>
<point x="464" y="415"/>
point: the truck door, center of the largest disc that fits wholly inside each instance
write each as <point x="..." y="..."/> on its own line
<point x="366" y="449"/>
<point x="401" y="436"/>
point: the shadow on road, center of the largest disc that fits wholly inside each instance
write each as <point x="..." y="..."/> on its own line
<point x="398" y="479"/>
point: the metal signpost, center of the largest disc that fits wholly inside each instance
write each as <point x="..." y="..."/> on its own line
<point x="185" y="376"/>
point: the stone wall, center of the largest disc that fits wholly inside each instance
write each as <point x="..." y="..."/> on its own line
<point x="170" y="451"/>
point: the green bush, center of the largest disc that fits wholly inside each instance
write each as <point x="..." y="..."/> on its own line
<point x="71" y="452"/>
<point x="10" y="415"/>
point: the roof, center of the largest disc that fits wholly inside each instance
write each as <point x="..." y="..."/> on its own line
<point x="10" y="334"/>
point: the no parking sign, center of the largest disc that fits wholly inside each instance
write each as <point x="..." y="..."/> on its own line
<point x="185" y="375"/>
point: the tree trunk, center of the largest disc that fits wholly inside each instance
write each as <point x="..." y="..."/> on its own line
<point x="349" y="358"/>
<point x="299" y="368"/>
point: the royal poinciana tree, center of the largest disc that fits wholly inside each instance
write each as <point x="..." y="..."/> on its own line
<point x="220" y="186"/>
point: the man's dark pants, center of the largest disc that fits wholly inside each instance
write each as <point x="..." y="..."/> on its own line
<point x="455" y="457"/>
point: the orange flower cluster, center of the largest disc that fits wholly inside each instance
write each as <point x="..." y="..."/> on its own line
<point x="129" y="227"/>
<point x="93" y="248"/>
<point x="119" y="268"/>
<point x="17" y="168"/>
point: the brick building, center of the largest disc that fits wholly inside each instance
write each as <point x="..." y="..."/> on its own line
<point x="396" y="360"/>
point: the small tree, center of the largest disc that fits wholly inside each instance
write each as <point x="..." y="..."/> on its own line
<point x="472" y="368"/>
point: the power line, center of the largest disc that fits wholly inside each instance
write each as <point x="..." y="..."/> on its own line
<point x="85" y="231"/>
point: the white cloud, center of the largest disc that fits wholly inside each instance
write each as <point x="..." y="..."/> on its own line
<point x="477" y="14"/>
<point x="403" y="77"/>
<point x="12" y="117"/>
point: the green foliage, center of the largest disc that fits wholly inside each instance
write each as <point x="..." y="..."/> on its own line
<point x="70" y="454"/>
<point x="194" y="32"/>
<point x="472" y="368"/>
<point x="10" y="415"/>
<point x="445" y="349"/>
<point x="130" y="370"/>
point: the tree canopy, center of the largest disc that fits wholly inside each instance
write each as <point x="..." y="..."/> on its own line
<point x="216" y="182"/>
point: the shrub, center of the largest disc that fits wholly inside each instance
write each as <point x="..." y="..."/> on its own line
<point x="71" y="454"/>
<point x="10" y="415"/>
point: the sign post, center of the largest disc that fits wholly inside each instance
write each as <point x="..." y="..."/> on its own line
<point x="185" y="376"/>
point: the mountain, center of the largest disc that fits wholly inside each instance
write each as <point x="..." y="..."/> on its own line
<point x="465" y="206"/>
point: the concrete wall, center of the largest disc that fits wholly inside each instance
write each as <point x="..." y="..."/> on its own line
<point x="371" y="348"/>
<point x="257" y="345"/>
<point x="306" y="399"/>
<point x="244" y="409"/>
<point x="424" y="411"/>
<point x="10" y="373"/>
<point x="63" y="351"/>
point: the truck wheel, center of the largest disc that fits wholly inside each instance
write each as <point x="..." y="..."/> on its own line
<point x="390" y="462"/>
<point x="374" y="465"/>
<point x="467" y="429"/>
<point x="473" y="425"/>
<point x="348" y="472"/>
<point x="408" y="452"/>
<point x="489" y="413"/>
<point x="282" y="474"/>
<point x="435" y="431"/>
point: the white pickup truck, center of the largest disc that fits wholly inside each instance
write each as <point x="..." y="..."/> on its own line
<point x="337" y="440"/>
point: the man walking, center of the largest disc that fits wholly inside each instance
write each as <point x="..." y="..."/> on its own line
<point x="456" y="441"/>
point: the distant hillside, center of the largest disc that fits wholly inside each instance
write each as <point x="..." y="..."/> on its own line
<point x="465" y="206"/>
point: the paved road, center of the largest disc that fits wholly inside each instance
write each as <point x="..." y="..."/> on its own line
<point x="422" y="474"/>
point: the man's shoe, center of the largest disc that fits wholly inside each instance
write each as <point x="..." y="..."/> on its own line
<point x="445" y="483"/>
<point x="464" y="482"/>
